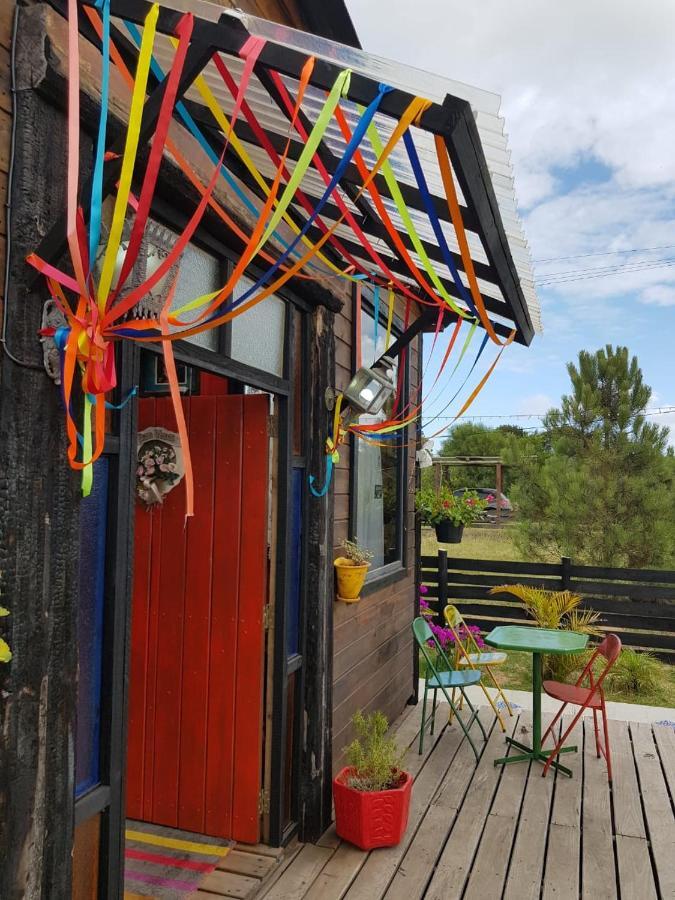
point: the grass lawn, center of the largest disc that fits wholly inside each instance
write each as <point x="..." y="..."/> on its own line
<point x="477" y="543"/>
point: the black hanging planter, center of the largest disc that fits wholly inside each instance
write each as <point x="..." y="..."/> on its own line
<point x="449" y="533"/>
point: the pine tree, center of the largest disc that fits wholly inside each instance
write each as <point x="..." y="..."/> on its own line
<point x="605" y="494"/>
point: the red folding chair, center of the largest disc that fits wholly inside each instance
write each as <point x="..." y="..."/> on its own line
<point x="591" y="697"/>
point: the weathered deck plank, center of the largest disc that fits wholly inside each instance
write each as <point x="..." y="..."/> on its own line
<point x="529" y="848"/>
<point x="417" y="865"/>
<point x="598" y="868"/>
<point x="454" y="866"/>
<point x="664" y="736"/>
<point x="628" y="818"/>
<point x="563" y="853"/>
<point x="635" y="868"/>
<point x="491" y="864"/>
<point x="297" y="879"/>
<point x="658" y="808"/>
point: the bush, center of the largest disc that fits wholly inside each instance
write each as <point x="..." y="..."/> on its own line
<point x="635" y="673"/>
<point x="375" y="759"/>
<point x="556" y="609"/>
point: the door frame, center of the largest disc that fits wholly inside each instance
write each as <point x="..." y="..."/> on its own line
<point x="108" y="798"/>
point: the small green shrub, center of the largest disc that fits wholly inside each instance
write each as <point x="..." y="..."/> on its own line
<point x="375" y="758"/>
<point x="635" y="672"/>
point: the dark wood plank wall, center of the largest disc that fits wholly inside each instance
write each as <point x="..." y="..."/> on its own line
<point x="372" y="640"/>
<point x="6" y="20"/>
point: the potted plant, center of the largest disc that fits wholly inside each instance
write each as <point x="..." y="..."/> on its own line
<point x="351" y="570"/>
<point x="449" y="513"/>
<point x="372" y="793"/>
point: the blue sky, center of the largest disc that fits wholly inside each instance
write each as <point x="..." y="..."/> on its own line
<point x="587" y="94"/>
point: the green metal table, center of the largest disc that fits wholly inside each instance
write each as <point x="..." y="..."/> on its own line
<point x="536" y="641"/>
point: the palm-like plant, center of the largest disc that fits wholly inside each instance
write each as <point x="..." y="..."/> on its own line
<point x="555" y="609"/>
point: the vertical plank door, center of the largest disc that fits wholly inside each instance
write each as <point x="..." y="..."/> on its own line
<point x="197" y="642"/>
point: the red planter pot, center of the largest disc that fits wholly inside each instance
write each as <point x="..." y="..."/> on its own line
<point x="371" y="819"/>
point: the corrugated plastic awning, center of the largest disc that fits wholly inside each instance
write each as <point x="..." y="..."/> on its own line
<point x="466" y="118"/>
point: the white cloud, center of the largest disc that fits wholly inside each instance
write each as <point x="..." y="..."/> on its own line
<point x="577" y="79"/>
<point x="535" y="404"/>
<point x="659" y="295"/>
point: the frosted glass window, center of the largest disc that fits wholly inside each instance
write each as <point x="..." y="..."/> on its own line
<point x="258" y="334"/>
<point x="200" y="273"/>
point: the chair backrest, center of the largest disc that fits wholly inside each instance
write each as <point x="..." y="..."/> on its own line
<point x="465" y="643"/>
<point x="423" y="634"/>
<point x="609" y="648"/>
<point x="453" y="617"/>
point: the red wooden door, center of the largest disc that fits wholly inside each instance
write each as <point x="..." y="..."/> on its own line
<point x="196" y="680"/>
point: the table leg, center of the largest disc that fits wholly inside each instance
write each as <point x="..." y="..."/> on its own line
<point x="536" y="703"/>
<point x="535" y="752"/>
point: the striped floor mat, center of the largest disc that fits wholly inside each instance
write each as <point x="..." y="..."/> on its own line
<point x="166" y="863"/>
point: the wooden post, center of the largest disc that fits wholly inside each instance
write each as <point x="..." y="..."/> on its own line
<point x="442" y="584"/>
<point x="498" y="487"/>
<point x="566" y="578"/>
<point x="438" y="476"/>
<point x="317" y="761"/>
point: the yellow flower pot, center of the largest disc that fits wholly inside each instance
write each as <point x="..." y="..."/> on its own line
<point x="350" y="578"/>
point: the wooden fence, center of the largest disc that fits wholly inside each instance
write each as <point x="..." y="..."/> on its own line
<point x="636" y="604"/>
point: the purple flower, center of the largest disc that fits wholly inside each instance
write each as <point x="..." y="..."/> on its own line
<point x="424" y="589"/>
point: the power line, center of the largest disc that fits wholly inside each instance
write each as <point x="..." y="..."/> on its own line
<point x="658" y="411"/>
<point x="563" y="277"/>
<point x="604" y="253"/>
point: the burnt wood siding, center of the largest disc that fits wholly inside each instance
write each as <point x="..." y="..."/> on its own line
<point x="38" y="547"/>
<point x="373" y="659"/>
<point x="6" y="21"/>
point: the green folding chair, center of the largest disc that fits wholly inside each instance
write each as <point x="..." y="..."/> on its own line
<point x="444" y="681"/>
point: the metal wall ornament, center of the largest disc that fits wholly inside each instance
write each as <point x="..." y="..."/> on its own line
<point x="160" y="464"/>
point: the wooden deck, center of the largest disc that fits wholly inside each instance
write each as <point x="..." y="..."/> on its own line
<point x="478" y="832"/>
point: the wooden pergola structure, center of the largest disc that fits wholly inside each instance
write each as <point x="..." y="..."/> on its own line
<point x="487" y="461"/>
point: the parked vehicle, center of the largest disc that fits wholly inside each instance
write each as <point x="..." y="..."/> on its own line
<point x="484" y="494"/>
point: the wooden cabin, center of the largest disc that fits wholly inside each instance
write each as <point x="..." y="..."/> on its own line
<point x="197" y="676"/>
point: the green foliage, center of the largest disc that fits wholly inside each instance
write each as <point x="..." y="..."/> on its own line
<point x="604" y="493"/>
<point x="375" y="758"/>
<point x="555" y="609"/>
<point x="444" y="506"/>
<point x="356" y="553"/>
<point x="509" y="442"/>
<point x="635" y="672"/>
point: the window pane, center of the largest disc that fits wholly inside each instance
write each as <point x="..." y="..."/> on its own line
<point x="200" y="273"/>
<point x="258" y="334"/>
<point x="379" y="504"/>
<point x="93" y="514"/>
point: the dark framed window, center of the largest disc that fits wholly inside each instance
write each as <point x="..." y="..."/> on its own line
<point x="378" y="497"/>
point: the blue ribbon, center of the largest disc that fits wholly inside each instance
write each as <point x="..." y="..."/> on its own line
<point x="435" y="223"/>
<point x="329" y="474"/>
<point x="376" y="313"/>
<point x="132" y="393"/>
<point x="99" y="158"/>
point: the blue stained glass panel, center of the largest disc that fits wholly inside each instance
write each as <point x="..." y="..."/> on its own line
<point x="93" y="517"/>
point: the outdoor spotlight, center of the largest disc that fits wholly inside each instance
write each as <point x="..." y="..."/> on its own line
<point x="370" y="389"/>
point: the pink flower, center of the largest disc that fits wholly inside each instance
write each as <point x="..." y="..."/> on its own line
<point x="490" y="498"/>
<point x="424" y="589"/>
